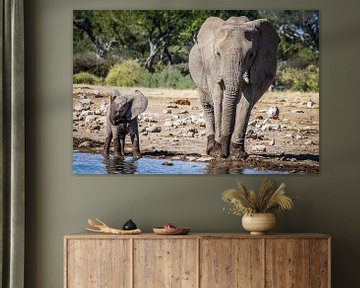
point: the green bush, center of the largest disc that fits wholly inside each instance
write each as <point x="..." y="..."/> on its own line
<point x="167" y="78"/>
<point x="90" y="63"/>
<point x="86" y="78"/>
<point x="298" y="79"/>
<point x="128" y="73"/>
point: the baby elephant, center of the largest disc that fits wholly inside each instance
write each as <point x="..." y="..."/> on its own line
<point x="121" y="119"/>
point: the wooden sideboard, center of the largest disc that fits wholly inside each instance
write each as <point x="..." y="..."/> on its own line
<point x="197" y="260"/>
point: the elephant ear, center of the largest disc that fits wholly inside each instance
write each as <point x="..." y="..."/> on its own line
<point x="138" y="103"/>
<point x="263" y="69"/>
<point x="207" y="38"/>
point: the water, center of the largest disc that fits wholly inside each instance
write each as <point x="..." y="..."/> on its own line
<point x="88" y="163"/>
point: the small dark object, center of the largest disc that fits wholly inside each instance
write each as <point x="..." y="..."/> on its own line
<point x="129" y="225"/>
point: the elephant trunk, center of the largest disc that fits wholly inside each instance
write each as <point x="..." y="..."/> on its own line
<point x="232" y="89"/>
<point x="227" y="124"/>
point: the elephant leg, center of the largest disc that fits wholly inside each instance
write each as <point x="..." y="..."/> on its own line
<point x="209" y="120"/>
<point x="134" y="136"/>
<point x="217" y="96"/>
<point x="237" y="145"/>
<point x="116" y="139"/>
<point x="107" y="143"/>
<point x="117" y="147"/>
<point x="122" y="145"/>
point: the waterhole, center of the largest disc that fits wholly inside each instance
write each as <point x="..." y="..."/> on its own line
<point x="89" y="163"/>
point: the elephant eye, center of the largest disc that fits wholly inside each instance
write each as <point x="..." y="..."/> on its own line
<point x="251" y="55"/>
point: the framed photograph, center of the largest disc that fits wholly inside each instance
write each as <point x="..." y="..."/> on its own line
<point x="196" y="92"/>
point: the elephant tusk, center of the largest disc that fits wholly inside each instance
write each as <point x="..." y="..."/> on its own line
<point x="246" y="78"/>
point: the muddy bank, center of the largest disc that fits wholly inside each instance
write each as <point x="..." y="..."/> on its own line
<point x="283" y="132"/>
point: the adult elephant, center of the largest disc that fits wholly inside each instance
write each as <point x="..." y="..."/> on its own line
<point x="232" y="63"/>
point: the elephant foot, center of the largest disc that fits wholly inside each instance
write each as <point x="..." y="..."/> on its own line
<point x="237" y="152"/>
<point x="105" y="152"/>
<point x="216" y="151"/>
<point x="210" y="144"/>
<point x="118" y="155"/>
<point x="136" y="155"/>
<point x="225" y="141"/>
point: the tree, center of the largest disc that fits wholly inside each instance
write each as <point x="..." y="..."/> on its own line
<point x="298" y="29"/>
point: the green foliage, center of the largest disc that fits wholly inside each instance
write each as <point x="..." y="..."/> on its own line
<point x="88" y="61"/>
<point x="128" y="73"/>
<point x="299" y="79"/>
<point x="168" y="78"/>
<point x="163" y="38"/>
<point x="86" y="78"/>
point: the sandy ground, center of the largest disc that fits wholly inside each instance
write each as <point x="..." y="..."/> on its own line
<point x="169" y="130"/>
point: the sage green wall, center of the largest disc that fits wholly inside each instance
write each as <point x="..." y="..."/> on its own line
<point x="59" y="202"/>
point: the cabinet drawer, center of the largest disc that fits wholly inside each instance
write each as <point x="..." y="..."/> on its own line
<point x="98" y="263"/>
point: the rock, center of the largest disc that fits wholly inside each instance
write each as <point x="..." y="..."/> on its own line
<point x="252" y="123"/>
<point x="272" y="142"/>
<point x="168" y="124"/>
<point x="145" y="133"/>
<point x="309" y="142"/>
<point x="101" y="120"/>
<point x="95" y="127"/>
<point x="85" y="102"/>
<point x="275" y="127"/>
<point x="265" y="127"/>
<point x="90" y="119"/>
<point x="183" y="112"/>
<point x="191" y="158"/>
<point x="194" y="130"/>
<point x="273" y="112"/>
<point x="310" y="104"/>
<point x="201" y="122"/>
<point x="103" y="108"/>
<point x="85" y="144"/>
<point x="182" y="102"/>
<point x="251" y="134"/>
<point x="204" y="159"/>
<point x="190" y="134"/>
<point x="260" y="117"/>
<point x="148" y="117"/>
<point x="167" y="163"/>
<point x="298" y="137"/>
<point x="167" y="111"/>
<point x="178" y="158"/>
<point x="173" y="106"/>
<point x="259" y="148"/>
<point x="79" y="107"/>
<point x="297" y="111"/>
<point x="179" y="122"/>
<point x="154" y="129"/>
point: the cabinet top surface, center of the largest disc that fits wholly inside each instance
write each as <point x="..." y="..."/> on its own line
<point x="87" y="235"/>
